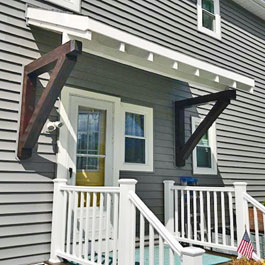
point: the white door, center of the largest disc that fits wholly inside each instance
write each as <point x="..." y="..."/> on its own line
<point x="90" y="145"/>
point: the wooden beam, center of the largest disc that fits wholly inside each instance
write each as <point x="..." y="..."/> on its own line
<point x="34" y="117"/>
<point x="184" y="150"/>
<point x="223" y="95"/>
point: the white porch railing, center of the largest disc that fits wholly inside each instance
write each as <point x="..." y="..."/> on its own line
<point x="214" y="217"/>
<point x="257" y="230"/>
<point x="97" y="225"/>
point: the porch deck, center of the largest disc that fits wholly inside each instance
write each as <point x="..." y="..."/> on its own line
<point x="210" y="258"/>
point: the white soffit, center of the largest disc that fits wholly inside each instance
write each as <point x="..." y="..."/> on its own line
<point x="114" y="44"/>
<point x="257" y="7"/>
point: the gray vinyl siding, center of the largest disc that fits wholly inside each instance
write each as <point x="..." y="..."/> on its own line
<point x="241" y="128"/>
<point x="26" y="188"/>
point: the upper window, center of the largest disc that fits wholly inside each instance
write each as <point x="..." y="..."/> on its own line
<point x="73" y="5"/>
<point x="137" y="138"/>
<point x="204" y="154"/>
<point x="209" y="20"/>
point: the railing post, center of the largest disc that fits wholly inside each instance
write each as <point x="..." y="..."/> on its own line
<point x="126" y="223"/>
<point x="58" y="218"/>
<point x="169" y="205"/>
<point x="241" y="214"/>
<point x="192" y="256"/>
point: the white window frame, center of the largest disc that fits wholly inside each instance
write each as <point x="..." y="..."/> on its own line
<point x="148" y="135"/>
<point x="212" y="143"/>
<point x="217" y="32"/>
<point x="74" y="5"/>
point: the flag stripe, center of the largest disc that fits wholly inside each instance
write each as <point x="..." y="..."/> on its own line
<point x="245" y="247"/>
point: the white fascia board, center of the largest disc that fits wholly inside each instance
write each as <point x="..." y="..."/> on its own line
<point x="80" y="26"/>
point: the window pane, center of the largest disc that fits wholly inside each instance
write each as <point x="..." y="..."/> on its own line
<point x="203" y="157"/>
<point x="204" y="140"/>
<point x="134" y="150"/>
<point x="208" y="5"/>
<point x="134" y="124"/>
<point x="208" y="20"/>
<point x="87" y="163"/>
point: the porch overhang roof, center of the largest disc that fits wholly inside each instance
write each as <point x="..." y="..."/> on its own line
<point x="111" y="43"/>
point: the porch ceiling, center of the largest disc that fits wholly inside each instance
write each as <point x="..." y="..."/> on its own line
<point x="120" y="46"/>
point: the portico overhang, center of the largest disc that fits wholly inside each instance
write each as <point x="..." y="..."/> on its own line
<point x="114" y="44"/>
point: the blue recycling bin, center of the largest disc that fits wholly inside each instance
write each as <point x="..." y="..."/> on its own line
<point x="188" y="181"/>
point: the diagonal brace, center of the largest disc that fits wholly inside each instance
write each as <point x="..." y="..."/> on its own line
<point x="183" y="150"/>
<point x="62" y="60"/>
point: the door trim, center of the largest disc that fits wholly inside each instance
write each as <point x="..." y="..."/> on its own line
<point x="64" y="159"/>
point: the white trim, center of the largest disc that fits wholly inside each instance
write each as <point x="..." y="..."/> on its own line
<point x="217" y="32"/>
<point x="74" y="5"/>
<point x="212" y="143"/>
<point x="148" y="136"/>
<point x="104" y="40"/>
<point x="64" y="158"/>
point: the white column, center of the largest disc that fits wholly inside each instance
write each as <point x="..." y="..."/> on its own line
<point x="58" y="220"/>
<point x="192" y="256"/>
<point x="169" y="205"/>
<point x="126" y="223"/>
<point x="241" y="211"/>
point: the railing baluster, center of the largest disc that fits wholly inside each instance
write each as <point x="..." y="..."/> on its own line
<point x="231" y="218"/>
<point x="151" y="245"/>
<point x="182" y="214"/>
<point x="188" y="214"/>
<point x="81" y="224"/>
<point x="115" y="228"/>
<point x="107" y="228"/>
<point x="264" y="233"/>
<point x="69" y="221"/>
<point x="64" y="210"/>
<point x="75" y="221"/>
<point x="176" y="214"/>
<point x="209" y="216"/>
<point x="223" y="217"/>
<point x="161" y="251"/>
<point x="142" y="229"/>
<point x="101" y="201"/>
<point x="202" y="216"/>
<point x="215" y="217"/>
<point x="93" y="227"/>
<point x="87" y="224"/>
<point x="195" y="214"/>
<point x="171" y="257"/>
<point x="256" y="231"/>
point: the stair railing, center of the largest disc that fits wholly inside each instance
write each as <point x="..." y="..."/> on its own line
<point x="98" y="225"/>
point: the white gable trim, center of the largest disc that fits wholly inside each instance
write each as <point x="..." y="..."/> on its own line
<point x="136" y="51"/>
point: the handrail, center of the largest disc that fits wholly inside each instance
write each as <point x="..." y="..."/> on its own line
<point x="254" y="202"/>
<point x="198" y="188"/>
<point x="158" y="226"/>
<point x="90" y="189"/>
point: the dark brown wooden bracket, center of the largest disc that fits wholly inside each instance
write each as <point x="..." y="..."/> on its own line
<point x="183" y="150"/>
<point x="61" y="62"/>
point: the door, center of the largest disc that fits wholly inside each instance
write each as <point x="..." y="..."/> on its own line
<point x="91" y="144"/>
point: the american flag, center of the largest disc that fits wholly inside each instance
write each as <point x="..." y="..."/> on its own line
<point x="245" y="247"/>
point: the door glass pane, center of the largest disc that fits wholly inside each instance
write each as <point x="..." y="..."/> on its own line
<point x="90" y="162"/>
<point x="203" y="156"/>
<point x="134" y="124"/>
<point x="208" y="20"/>
<point x="134" y="150"/>
<point x="208" y="5"/>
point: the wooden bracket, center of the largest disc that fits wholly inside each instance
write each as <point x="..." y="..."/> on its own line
<point x="32" y="118"/>
<point x="183" y="150"/>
